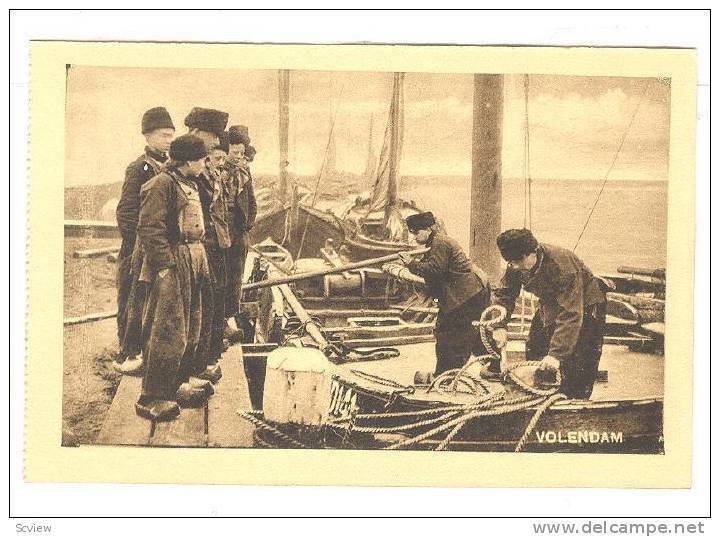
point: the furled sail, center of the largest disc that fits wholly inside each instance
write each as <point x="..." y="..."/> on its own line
<point x="384" y="195"/>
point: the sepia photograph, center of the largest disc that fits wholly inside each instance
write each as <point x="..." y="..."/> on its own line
<point x="364" y="260"/>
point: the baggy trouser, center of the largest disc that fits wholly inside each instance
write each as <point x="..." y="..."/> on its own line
<point x="579" y="370"/>
<point x="235" y="260"/>
<point x="131" y="341"/>
<point x="455" y="336"/>
<point x="218" y="272"/>
<point x="175" y="329"/>
<point x="123" y="282"/>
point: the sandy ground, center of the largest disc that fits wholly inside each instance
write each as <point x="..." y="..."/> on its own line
<point x="89" y="382"/>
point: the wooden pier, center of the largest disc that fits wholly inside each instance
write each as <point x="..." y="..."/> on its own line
<point x="216" y="424"/>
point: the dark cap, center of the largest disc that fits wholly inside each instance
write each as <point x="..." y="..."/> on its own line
<point x="187" y="148"/>
<point x="239" y="134"/>
<point x="222" y="145"/>
<point x="156" y="118"/>
<point x="208" y="120"/>
<point x="250" y="153"/>
<point x="419" y="221"/>
<point x="514" y="244"/>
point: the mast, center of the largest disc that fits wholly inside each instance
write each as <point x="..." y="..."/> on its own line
<point x="396" y="124"/>
<point x="486" y="189"/>
<point x="330" y="165"/>
<point x="283" y="126"/>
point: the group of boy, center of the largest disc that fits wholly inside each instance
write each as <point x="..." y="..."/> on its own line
<point x="186" y="208"/>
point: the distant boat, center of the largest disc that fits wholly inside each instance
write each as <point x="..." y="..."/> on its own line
<point x="370" y="226"/>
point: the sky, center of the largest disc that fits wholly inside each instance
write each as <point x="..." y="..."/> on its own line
<point x="575" y="123"/>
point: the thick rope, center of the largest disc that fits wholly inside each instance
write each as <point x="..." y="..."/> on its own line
<point x="380" y="380"/>
<point x="442" y="446"/>
<point x="394" y="428"/>
<point x="526" y="387"/>
<point x="550" y="401"/>
<point x="262" y="424"/>
<point x="466" y="417"/>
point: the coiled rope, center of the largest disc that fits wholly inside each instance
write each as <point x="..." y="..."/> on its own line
<point x="262" y="424"/>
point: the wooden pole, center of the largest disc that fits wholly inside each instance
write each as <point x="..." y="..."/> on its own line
<point x="331" y="270"/>
<point x="310" y="326"/>
<point x="91" y="317"/>
<point x="486" y="190"/>
<point x="97" y="252"/>
<point x="284" y="127"/>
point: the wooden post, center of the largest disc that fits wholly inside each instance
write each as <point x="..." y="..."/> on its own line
<point x="283" y="127"/>
<point x="486" y="189"/>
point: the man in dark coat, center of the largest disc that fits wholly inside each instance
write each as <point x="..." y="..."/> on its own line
<point x="178" y="309"/>
<point x="460" y="288"/>
<point x="158" y="128"/>
<point x="567" y="331"/>
<point x="209" y="125"/>
<point x="241" y="210"/>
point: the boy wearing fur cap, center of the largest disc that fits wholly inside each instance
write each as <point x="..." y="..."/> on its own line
<point x="460" y="287"/>
<point x="567" y="331"/>
<point x="158" y="129"/>
<point x="241" y="209"/>
<point x="179" y="304"/>
<point x="209" y="125"/>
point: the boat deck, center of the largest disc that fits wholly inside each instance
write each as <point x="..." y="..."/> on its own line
<point x="630" y="376"/>
<point x="217" y="424"/>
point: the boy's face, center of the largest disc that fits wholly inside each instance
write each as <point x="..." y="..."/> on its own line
<point x="524" y="264"/>
<point x="217" y="158"/>
<point x="159" y="139"/>
<point x="421" y="235"/>
<point x="237" y="152"/>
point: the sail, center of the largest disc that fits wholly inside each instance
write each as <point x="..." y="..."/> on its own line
<point x="384" y="195"/>
<point x="371" y="162"/>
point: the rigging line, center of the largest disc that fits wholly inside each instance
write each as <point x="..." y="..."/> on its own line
<point x="612" y="164"/>
<point x="322" y="169"/>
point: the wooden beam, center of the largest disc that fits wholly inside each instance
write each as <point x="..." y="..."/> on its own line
<point x="122" y="425"/>
<point x="95" y="252"/>
<point x="187" y="430"/>
<point x="330" y="270"/>
<point x="89" y="318"/>
<point x="486" y="190"/>
<point x="225" y="426"/>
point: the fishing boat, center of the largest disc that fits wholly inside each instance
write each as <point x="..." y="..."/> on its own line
<point x="362" y="339"/>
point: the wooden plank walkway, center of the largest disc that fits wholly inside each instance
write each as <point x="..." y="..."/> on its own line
<point x="217" y="424"/>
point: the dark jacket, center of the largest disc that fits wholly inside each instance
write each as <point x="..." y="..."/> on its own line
<point x="158" y="231"/>
<point x="217" y="229"/>
<point x="449" y="275"/>
<point x="241" y="203"/>
<point x="565" y="288"/>
<point x="138" y="172"/>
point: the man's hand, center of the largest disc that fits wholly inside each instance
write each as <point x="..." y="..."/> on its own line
<point x="163" y="272"/>
<point x="405" y="257"/>
<point x="549" y="363"/>
<point x="500" y="337"/>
